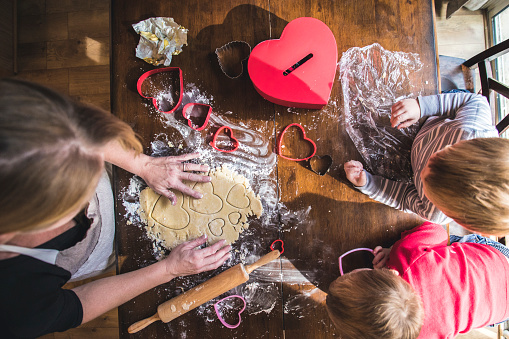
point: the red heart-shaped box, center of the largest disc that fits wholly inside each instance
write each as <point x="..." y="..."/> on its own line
<point x="298" y="69"/>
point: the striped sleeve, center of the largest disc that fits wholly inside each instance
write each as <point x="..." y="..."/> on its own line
<point x="402" y="196"/>
<point x="468" y="109"/>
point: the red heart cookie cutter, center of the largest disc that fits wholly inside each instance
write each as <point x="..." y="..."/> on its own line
<point x="214" y="139"/>
<point x="145" y="75"/>
<point x="280" y="143"/>
<point x="190" y="111"/>
<point x="282" y="245"/>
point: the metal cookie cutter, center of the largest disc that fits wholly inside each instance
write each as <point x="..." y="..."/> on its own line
<point x="320" y="164"/>
<point x="231" y="57"/>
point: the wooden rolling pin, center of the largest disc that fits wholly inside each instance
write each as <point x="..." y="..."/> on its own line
<point x="204" y="292"/>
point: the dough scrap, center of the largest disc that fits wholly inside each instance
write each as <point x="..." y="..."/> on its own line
<point x="222" y="213"/>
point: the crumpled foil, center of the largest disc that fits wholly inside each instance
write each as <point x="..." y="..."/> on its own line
<point x="373" y="79"/>
<point x="160" y="39"/>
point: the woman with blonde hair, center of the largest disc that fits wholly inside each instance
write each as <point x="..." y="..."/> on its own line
<point x="460" y="165"/>
<point x="57" y="218"/>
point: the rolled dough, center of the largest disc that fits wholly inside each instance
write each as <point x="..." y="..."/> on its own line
<point x="222" y="213"/>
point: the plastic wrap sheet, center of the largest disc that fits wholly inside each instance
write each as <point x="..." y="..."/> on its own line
<point x="373" y="79"/>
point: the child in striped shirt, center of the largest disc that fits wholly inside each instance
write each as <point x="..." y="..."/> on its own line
<point x="461" y="167"/>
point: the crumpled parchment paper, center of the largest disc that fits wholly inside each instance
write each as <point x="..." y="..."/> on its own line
<point x="160" y="39"/>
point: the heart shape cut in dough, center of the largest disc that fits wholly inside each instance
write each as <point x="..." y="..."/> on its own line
<point x="160" y="90"/>
<point x="320" y="164"/>
<point x="216" y="227"/>
<point x="234" y="142"/>
<point x="210" y="203"/>
<point x="171" y="216"/>
<point x="197" y="115"/>
<point x="311" y="143"/>
<point x="216" y="307"/>
<point x="237" y="197"/>
<point x="234" y="217"/>
<point x="298" y="69"/>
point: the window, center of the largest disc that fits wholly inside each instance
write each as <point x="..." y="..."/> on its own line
<point x="498" y="14"/>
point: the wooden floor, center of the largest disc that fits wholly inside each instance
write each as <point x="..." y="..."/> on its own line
<point x="64" y="44"/>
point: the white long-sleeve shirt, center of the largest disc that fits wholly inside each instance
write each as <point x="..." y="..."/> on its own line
<point x="452" y="117"/>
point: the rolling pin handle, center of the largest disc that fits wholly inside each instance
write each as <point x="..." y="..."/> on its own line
<point x="262" y="261"/>
<point x="143" y="323"/>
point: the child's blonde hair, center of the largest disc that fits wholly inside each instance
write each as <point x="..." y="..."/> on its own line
<point x="374" y="304"/>
<point x="50" y="158"/>
<point x="470" y="182"/>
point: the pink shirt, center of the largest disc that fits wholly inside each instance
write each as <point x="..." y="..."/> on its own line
<point x="462" y="286"/>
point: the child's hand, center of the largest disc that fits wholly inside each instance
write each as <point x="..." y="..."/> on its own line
<point x="355" y="173"/>
<point x="381" y="256"/>
<point x="405" y="113"/>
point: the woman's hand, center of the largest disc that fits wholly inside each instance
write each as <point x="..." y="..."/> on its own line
<point x="355" y="173"/>
<point x="186" y="259"/>
<point x="381" y="256"/>
<point x="165" y="173"/>
<point x="161" y="174"/>
<point x="405" y="113"/>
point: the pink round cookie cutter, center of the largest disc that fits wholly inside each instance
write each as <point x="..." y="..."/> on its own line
<point x="351" y="251"/>
<point x="145" y="75"/>
<point x="221" y="318"/>
<point x="280" y="143"/>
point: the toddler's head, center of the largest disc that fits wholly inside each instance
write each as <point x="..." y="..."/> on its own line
<point x="374" y="304"/>
<point x="469" y="182"/>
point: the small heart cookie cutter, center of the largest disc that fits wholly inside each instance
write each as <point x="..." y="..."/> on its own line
<point x="231" y="57"/>
<point x="282" y="245"/>
<point x="221" y="318"/>
<point x="214" y="139"/>
<point x="145" y="75"/>
<point x="351" y="251"/>
<point x="187" y="112"/>
<point x="280" y="142"/>
<point x="320" y="164"/>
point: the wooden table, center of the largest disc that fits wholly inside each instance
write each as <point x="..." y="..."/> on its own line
<point x="321" y="217"/>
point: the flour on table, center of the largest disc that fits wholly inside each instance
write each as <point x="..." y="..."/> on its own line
<point x="222" y="213"/>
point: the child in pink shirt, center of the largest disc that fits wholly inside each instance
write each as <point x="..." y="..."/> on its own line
<point x="422" y="287"/>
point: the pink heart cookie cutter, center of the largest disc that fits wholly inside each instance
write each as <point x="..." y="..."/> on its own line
<point x="196" y="110"/>
<point x="144" y="77"/>
<point x="303" y="132"/>
<point x="351" y="251"/>
<point x="221" y="318"/>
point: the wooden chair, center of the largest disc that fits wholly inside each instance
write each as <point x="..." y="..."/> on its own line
<point x="487" y="82"/>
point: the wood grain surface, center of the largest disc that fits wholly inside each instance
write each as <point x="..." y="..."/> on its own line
<point x="321" y="217"/>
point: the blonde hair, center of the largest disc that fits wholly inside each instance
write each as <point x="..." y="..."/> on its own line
<point x="50" y="158"/>
<point x="469" y="182"/>
<point x="374" y="304"/>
